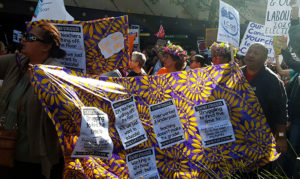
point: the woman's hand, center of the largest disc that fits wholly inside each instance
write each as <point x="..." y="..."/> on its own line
<point x="29" y="72"/>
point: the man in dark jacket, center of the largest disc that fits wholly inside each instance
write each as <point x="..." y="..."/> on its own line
<point x="271" y="95"/>
<point x="269" y="91"/>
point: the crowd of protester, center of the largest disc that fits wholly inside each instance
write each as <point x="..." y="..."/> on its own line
<point x="277" y="87"/>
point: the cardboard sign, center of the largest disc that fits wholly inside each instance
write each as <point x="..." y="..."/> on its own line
<point x="111" y="44"/>
<point x="229" y="25"/>
<point x="211" y="35"/>
<point x="51" y="9"/>
<point x="253" y="34"/>
<point x="278" y="17"/>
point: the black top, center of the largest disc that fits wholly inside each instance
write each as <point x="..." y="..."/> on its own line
<point x="132" y="73"/>
<point x="290" y="61"/>
<point x="271" y="95"/>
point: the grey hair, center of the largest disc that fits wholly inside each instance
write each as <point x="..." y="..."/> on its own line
<point x="262" y="47"/>
<point x="140" y="58"/>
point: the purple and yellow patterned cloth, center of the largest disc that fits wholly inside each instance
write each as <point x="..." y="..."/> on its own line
<point x="94" y="31"/>
<point x="64" y="92"/>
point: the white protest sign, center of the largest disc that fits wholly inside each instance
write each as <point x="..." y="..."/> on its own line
<point x="51" y="9"/>
<point x="135" y="30"/>
<point x="278" y="17"/>
<point x="142" y="164"/>
<point x="166" y="124"/>
<point x="229" y="25"/>
<point x="72" y="42"/>
<point x="214" y="123"/>
<point x="111" y="44"/>
<point x="128" y="125"/>
<point x="253" y="34"/>
<point x="17" y="35"/>
<point x="94" y="139"/>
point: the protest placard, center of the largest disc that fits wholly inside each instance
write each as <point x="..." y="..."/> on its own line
<point x="111" y="44"/>
<point x="229" y="25"/>
<point x="72" y="42"/>
<point x="142" y="164"/>
<point x="166" y="124"/>
<point x="135" y="30"/>
<point x="253" y="34"/>
<point x="17" y="35"/>
<point x="201" y="46"/>
<point x="278" y="17"/>
<point x="51" y="9"/>
<point x="211" y="35"/>
<point x="214" y="123"/>
<point x="128" y="125"/>
<point x="94" y="139"/>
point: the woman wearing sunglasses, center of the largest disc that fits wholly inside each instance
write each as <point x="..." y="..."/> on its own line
<point x="37" y="149"/>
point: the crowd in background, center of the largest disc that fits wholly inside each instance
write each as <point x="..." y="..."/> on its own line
<point x="279" y="99"/>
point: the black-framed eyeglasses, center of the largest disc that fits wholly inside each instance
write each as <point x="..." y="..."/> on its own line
<point x="29" y="37"/>
<point x="191" y="61"/>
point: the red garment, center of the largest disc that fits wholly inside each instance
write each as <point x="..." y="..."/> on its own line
<point x="162" y="71"/>
<point x="250" y="77"/>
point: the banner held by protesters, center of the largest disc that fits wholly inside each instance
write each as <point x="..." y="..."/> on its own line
<point x="64" y="93"/>
<point x="93" y="33"/>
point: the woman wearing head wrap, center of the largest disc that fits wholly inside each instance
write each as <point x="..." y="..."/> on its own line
<point x="221" y="53"/>
<point x="174" y="59"/>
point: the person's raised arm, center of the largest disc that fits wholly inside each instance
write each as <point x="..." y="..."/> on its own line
<point x="279" y="69"/>
<point x="287" y="57"/>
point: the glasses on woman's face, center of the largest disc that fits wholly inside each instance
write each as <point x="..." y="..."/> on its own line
<point x="29" y="37"/>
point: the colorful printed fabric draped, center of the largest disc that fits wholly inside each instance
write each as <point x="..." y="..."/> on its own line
<point x="93" y="32"/>
<point x="63" y="92"/>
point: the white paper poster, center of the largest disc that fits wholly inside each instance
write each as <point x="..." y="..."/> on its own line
<point x="72" y="42"/>
<point x="128" y="124"/>
<point x="94" y="139"/>
<point x="214" y="123"/>
<point x="229" y="25"/>
<point x="166" y="124"/>
<point x="111" y="44"/>
<point x="278" y="15"/>
<point x="142" y="164"/>
<point x="253" y="34"/>
<point x="51" y="9"/>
